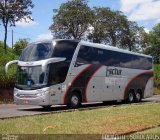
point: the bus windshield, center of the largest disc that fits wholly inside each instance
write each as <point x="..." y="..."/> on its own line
<point x="31" y="77"/>
<point x="36" y="52"/>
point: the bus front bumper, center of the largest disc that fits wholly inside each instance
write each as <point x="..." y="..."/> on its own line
<point x="35" y="97"/>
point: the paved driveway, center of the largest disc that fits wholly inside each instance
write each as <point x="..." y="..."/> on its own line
<point x="7" y="111"/>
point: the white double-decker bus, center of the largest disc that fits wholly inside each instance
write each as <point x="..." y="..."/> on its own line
<point x="71" y="72"/>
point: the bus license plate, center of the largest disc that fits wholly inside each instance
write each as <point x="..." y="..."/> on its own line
<point x="25" y="102"/>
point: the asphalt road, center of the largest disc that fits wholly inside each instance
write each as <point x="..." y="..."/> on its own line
<point x="9" y="111"/>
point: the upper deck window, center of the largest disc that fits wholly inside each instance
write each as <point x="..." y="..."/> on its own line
<point x="65" y="48"/>
<point x="42" y="51"/>
<point x="91" y="55"/>
<point x="36" y="52"/>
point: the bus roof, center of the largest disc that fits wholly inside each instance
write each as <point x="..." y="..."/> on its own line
<point x="51" y="40"/>
<point x="96" y="45"/>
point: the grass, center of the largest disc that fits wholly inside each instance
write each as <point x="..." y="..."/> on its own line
<point x="2" y="103"/>
<point x="151" y="131"/>
<point x="109" y="120"/>
<point x="150" y="134"/>
<point x="156" y="91"/>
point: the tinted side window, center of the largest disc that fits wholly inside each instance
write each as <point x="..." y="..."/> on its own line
<point x="109" y="58"/>
<point x="85" y="55"/>
<point x="91" y="55"/>
<point x="119" y="59"/>
<point x="57" y="73"/>
<point x="65" y="49"/>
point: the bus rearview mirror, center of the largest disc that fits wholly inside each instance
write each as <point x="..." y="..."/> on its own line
<point x="51" y="60"/>
<point x="10" y="63"/>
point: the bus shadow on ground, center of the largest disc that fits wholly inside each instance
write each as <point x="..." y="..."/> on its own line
<point x="85" y="106"/>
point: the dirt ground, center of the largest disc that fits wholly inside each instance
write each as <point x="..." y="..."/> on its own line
<point x="6" y="95"/>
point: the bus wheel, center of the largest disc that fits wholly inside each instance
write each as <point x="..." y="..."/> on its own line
<point x="131" y="96"/>
<point x="48" y="107"/>
<point x="138" y="96"/>
<point x="74" y="100"/>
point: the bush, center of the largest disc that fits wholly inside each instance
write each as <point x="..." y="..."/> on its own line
<point x="157" y="76"/>
<point x="7" y="81"/>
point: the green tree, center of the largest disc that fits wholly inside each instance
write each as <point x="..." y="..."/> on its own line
<point x="7" y="81"/>
<point x="154" y="44"/>
<point x="20" y="45"/>
<point x="99" y="33"/>
<point x="108" y="26"/>
<point x="71" y="20"/>
<point x="133" y="38"/>
<point x="2" y="45"/>
<point x="12" y="11"/>
<point x="113" y="28"/>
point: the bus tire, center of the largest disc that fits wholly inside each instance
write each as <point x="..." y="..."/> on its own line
<point x="74" y="100"/>
<point x="131" y="96"/>
<point x="48" y="107"/>
<point x="138" y="96"/>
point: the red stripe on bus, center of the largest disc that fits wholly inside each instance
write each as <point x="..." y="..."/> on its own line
<point x="78" y="75"/>
<point x="138" y="75"/>
<point x="89" y="82"/>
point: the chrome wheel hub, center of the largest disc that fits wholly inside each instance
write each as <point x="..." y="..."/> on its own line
<point x="131" y="97"/>
<point x="138" y="96"/>
<point x="74" y="100"/>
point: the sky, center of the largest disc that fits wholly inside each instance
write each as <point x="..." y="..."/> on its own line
<point x="145" y="12"/>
